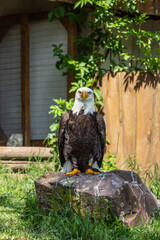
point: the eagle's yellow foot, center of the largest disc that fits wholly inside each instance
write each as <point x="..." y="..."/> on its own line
<point x="91" y="170"/>
<point x="74" y="172"/>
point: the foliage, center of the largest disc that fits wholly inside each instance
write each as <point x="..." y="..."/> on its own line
<point x="154" y="184"/>
<point x="110" y="29"/>
<point x="109" y="163"/>
<point x="58" y="12"/>
<point x="21" y="218"/>
<point x="132" y="164"/>
<point x="150" y="175"/>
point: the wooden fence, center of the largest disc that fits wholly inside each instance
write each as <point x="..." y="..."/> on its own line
<point x="132" y="117"/>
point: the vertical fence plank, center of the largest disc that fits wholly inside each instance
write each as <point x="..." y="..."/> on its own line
<point x="144" y="121"/>
<point x="120" y="152"/>
<point x="128" y="112"/>
<point x="155" y="133"/>
<point x="110" y="91"/>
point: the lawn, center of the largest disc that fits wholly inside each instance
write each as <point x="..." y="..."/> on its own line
<point x="20" y="217"/>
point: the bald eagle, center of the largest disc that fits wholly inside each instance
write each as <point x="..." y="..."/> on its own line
<point x="82" y="136"/>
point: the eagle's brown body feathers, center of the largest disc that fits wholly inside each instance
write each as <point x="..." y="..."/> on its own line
<point x="82" y="137"/>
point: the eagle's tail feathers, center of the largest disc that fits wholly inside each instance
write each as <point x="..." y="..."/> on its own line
<point x="67" y="167"/>
<point x="95" y="165"/>
<point x="71" y="168"/>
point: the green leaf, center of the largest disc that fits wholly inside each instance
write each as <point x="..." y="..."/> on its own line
<point x="54" y="127"/>
<point x="59" y="11"/>
<point x="73" y="89"/>
<point x="50" y="16"/>
<point x="75" y="84"/>
<point x="82" y="64"/>
<point x="107" y="141"/>
<point x="100" y="103"/>
<point x="71" y="16"/>
<point x="126" y="56"/>
<point x="97" y="93"/>
<point x="77" y="4"/>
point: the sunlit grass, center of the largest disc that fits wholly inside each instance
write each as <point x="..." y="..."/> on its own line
<point x="20" y="217"/>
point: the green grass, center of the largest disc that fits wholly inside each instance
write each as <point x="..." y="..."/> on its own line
<point x="20" y="217"/>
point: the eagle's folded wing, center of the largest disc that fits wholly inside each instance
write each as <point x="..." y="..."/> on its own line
<point x="61" y="137"/>
<point x="102" y="135"/>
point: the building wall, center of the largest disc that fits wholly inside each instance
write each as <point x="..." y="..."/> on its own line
<point x="10" y="83"/>
<point x="17" y="6"/>
<point x="46" y="82"/>
<point x="11" y="7"/>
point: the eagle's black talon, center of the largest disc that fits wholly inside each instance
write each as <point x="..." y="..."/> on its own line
<point x="96" y="170"/>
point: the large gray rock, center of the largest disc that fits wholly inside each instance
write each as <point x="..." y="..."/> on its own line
<point x="124" y="191"/>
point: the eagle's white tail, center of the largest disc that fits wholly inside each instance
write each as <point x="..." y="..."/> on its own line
<point x="67" y="167"/>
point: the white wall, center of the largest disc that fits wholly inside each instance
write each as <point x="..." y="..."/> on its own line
<point x="10" y="88"/>
<point x="46" y="82"/>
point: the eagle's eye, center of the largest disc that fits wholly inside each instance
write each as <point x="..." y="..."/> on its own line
<point x="79" y="92"/>
<point x="89" y="92"/>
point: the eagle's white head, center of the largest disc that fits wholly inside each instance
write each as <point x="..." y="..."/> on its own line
<point x="84" y="99"/>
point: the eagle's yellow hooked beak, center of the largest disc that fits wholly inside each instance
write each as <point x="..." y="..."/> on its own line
<point x="84" y="95"/>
